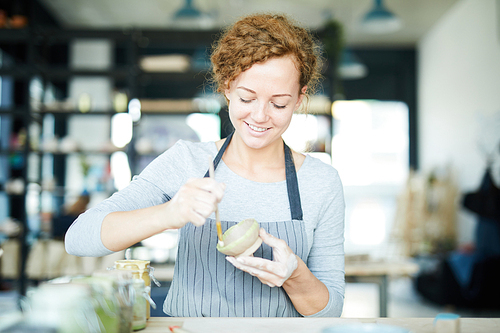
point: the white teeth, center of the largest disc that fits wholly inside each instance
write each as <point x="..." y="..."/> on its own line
<point x="257" y="129"/>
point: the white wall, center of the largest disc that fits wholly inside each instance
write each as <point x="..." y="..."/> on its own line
<point x="459" y="95"/>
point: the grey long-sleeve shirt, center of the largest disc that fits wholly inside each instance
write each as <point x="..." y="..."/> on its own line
<point x="321" y="198"/>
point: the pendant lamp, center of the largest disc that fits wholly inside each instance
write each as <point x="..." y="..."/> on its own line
<point x="188" y="17"/>
<point x="351" y="67"/>
<point x="379" y="20"/>
<point x="187" y="11"/>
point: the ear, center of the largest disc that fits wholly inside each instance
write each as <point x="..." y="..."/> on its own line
<point x="301" y="97"/>
<point x="226" y="91"/>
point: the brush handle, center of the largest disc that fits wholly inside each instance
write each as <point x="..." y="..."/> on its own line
<point x="177" y="329"/>
<point x="217" y="217"/>
<point x="217" y="223"/>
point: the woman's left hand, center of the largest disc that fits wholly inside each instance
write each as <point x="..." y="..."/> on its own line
<point x="273" y="273"/>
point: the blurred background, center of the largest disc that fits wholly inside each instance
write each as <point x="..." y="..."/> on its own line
<point x="408" y="112"/>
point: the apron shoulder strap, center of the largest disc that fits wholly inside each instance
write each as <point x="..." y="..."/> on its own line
<point x="292" y="185"/>
<point x="219" y="154"/>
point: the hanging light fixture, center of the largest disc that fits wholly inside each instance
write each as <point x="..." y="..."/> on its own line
<point x="187" y="11"/>
<point x="351" y="67"/>
<point x="188" y="17"/>
<point x="380" y="20"/>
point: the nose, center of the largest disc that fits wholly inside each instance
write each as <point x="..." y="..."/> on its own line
<point x="260" y="113"/>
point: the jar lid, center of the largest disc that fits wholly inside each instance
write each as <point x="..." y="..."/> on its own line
<point x="118" y="274"/>
<point x="59" y="295"/>
<point x="101" y="285"/>
<point x="132" y="264"/>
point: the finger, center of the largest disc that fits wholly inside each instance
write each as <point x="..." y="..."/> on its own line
<point x="275" y="268"/>
<point x="209" y="195"/>
<point x="249" y="269"/>
<point x="271" y="240"/>
<point x="208" y="185"/>
<point x="219" y="190"/>
<point x="203" y="206"/>
<point x="196" y="218"/>
<point x="256" y="262"/>
<point x="265" y="277"/>
<point x="267" y="238"/>
<point x="263" y="268"/>
<point x="199" y="200"/>
<point x="195" y="211"/>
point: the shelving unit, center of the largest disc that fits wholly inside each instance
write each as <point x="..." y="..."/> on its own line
<point x="15" y="113"/>
<point x="42" y="53"/>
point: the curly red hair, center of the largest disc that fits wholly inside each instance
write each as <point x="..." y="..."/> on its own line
<point x="259" y="37"/>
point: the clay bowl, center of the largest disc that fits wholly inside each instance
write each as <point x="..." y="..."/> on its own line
<point x="241" y="239"/>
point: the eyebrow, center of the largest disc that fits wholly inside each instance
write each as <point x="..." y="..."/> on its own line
<point x="253" y="92"/>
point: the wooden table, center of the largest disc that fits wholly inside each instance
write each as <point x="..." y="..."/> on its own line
<point x="377" y="272"/>
<point x="307" y="325"/>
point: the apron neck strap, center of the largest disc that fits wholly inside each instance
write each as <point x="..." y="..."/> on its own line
<point x="220" y="153"/>
<point x="292" y="185"/>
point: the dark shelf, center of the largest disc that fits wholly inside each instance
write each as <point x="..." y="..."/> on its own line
<point x="57" y="35"/>
<point x="83" y="152"/>
<point x="62" y="73"/>
<point x="171" y="113"/>
<point x="16" y="111"/>
<point x="14" y="35"/>
<point x="41" y="152"/>
<point x="74" y="113"/>
<point x="18" y="72"/>
<point x="195" y="77"/>
<point x="56" y="73"/>
<point x="16" y="196"/>
<point x="12" y="151"/>
<point x="144" y="37"/>
<point x="111" y="113"/>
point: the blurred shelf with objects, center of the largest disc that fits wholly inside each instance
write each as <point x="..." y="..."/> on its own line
<point x="88" y="100"/>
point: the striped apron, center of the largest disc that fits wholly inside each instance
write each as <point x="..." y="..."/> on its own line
<point x="205" y="284"/>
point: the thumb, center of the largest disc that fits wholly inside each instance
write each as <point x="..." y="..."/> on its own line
<point x="268" y="238"/>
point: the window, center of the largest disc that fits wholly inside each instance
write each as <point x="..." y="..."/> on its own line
<point x="370" y="150"/>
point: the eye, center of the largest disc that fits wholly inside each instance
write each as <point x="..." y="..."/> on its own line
<point x="279" y="106"/>
<point x="245" y="100"/>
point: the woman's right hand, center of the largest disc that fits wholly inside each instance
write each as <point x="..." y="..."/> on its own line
<point x="194" y="202"/>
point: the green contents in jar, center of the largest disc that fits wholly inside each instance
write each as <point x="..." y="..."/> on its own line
<point x="107" y="313"/>
<point x="104" y="301"/>
<point x="123" y="294"/>
<point x="140" y="305"/>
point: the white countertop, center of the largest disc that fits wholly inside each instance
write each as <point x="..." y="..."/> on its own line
<point x="307" y="325"/>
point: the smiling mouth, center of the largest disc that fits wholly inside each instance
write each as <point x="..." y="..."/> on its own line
<point x="257" y="129"/>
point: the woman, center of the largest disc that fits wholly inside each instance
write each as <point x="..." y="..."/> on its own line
<point x="264" y="65"/>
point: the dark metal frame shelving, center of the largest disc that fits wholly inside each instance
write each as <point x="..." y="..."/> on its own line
<point x="36" y="39"/>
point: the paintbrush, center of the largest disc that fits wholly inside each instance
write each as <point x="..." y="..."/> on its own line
<point x="217" y="217"/>
<point x="177" y="329"/>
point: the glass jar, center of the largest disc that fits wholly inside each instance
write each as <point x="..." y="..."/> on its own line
<point x="66" y="308"/>
<point x="126" y="301"/>
<point x="140" y="269"/>
<point x="142" y="301"/>
<point x="140" y="305"/>
<point x="124" y="295"/>
<point x="103" y="293"/>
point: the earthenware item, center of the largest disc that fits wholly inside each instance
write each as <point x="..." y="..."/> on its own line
<point x="241" y="239"/>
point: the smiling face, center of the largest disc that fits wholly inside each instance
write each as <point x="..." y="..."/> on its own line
<point x="262" y="100"/>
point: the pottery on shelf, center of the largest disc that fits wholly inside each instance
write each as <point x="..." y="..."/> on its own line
<point x="241" y="239"/>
